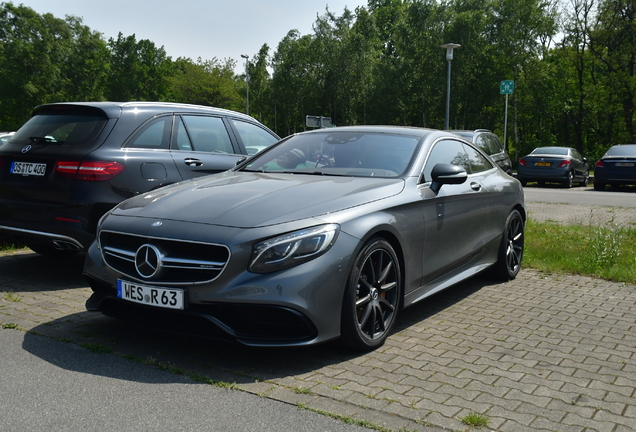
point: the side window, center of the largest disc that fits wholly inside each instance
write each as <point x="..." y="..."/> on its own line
<point x="483" y="143"/>
<point x="154" y="135"/>
<point x="577" y="155"/>
<point x="180" y="138"/>
<point x="254" y="138"/>
<point x="208" y="134"/>
<point x="478" y="163"/>
<point x="496" y="144"/>
<point x="447" y="152"/>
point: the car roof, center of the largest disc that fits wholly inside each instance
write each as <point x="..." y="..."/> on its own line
<point x="114" y="109"/>
<point x="403" y="130"/>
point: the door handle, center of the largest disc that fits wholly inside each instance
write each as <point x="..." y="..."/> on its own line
<point x="475" y="186"/>
<point x="191" y="161"/>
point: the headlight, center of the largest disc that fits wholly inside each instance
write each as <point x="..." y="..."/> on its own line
<point x="291" y="249"/>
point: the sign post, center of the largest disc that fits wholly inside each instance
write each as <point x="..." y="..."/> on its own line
<point x="507" y="88"/>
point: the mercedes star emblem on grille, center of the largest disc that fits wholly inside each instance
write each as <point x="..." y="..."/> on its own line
<point x="147" y="261"/>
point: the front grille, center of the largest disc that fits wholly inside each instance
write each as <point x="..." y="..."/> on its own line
<point x="179" y="261"/>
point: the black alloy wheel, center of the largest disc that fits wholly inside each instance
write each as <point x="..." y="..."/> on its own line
<point x="511" y="248"/>
<point x="372" y="296"/>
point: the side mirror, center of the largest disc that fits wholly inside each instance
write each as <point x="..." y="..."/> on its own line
<point x="447" y="174"/>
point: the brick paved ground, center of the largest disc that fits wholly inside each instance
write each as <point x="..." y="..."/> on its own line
<point x="541" y="353"/>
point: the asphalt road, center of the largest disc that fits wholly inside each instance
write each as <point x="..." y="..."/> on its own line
<point x="587" y="196"/>
<point x="54" y="386"/>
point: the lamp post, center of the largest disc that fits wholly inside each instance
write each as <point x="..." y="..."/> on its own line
<point x="247" y="85"/>
<point x="449" y="57"/>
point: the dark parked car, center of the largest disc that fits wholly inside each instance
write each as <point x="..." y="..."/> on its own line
<point x="326" y="234"/>
<point x="617" y="167"/>
<point x="490" y="144"/>
<point x="563" y="165"/>
<point x="72" y="162"/>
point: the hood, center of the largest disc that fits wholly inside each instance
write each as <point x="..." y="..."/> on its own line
<point x="247" y="200"/>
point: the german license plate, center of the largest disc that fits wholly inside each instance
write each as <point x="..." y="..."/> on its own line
<point x="28" y="168"/>
<point x="624" y="164"/>
<point x="171" y="298"/>
<point x="542" y="164"/>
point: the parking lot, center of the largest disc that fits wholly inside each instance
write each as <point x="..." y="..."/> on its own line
<point x="543" y="352"/>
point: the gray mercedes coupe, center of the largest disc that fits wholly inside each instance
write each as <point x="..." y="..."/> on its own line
<point x="325" y="235"/>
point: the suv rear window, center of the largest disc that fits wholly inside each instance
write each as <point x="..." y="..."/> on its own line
<point x="74" y="126"/>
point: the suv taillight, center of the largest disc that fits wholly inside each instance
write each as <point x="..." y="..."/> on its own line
<point x="89" y="171"/>
<point x="522" y="162"/>
<point x="599" y="164"/>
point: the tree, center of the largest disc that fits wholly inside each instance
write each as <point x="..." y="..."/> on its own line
<point x="138" y="70"/>
<point x="45" y="59"/>
<point x="209" y="83"/>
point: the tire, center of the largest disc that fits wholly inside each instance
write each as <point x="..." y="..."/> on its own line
<point x="570" y="180"/>
<point x="510" y="249"/>
<point x="585" y="180"/>
<point x="372" y="297"/>
<point x="50" y="251"/>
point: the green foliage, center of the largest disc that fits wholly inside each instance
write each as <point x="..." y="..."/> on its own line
<point x="209" y="83"/>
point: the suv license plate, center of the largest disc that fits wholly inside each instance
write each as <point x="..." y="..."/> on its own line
<point x="171" y="298"/>
<point x="28" y="168"/>
<point x="624" y="164"/>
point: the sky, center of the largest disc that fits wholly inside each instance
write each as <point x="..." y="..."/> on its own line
<point x="222" y="29"/>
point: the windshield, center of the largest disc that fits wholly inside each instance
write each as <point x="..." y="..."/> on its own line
<point x="357" y="154"/>
<point x="71" y="126"/>
<point x="561" y="151"/>
<point x="622" y="150"/>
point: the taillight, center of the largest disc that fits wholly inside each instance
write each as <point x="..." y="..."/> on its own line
<point x="565" y="163"/>
<point x="599" y="164"/>
<point x="89" y="171"/>
<point x="522" y="162"/>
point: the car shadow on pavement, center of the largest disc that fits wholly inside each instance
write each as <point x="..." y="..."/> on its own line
<point x="27" y="271"/>
<point x="219" y="361"/>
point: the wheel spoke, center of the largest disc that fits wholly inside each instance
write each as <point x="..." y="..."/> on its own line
<point x="385" y="272"/>
<point x="363" y="300"/>
<point x="362" y="321"/>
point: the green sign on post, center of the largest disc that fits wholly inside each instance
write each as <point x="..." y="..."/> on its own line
<point x="507" y="87"/>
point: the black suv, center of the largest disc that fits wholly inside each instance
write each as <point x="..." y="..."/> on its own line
<point x="72" y="162"/>
<point x="489" y="143"/>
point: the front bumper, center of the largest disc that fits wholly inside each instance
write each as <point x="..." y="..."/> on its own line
<point x="296" y="306"/>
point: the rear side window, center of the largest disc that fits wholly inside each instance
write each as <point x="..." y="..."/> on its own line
<point x="153" y="135"/>
<point x="254" y="138"/>
<point x="208" y="134"/>
<point x="69" y="127"/>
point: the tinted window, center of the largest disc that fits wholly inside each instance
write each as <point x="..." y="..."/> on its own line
<point x="69" y="129"/>
<point x="478" y="163"/>
<point x="551" y="150"/>
<point x="208" y="134"/>
<point x="254" y="138"/>
<point x="622" y="150"/>
<point x="153" y="135"/>
<point x="180" y="138"/>
<point x="446" y="152"/>
<point x="483" y="143"/>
